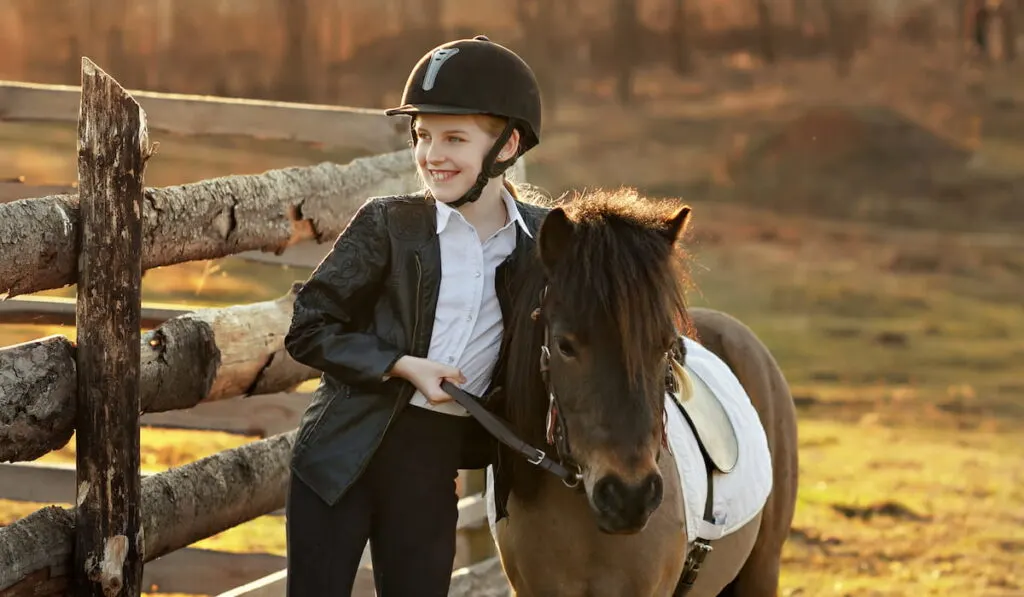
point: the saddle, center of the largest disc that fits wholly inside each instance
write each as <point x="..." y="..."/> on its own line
<point x="702" y="409"/>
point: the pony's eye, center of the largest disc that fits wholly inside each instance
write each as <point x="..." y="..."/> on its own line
<point x="566" y="348"/>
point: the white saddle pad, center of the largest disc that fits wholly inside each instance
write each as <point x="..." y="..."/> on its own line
<point x="740" y="494"/>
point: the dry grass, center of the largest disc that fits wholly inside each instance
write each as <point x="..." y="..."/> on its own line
<point x="903" y="511"/>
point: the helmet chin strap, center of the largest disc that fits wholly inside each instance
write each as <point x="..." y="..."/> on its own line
<point x="491" y="168"/>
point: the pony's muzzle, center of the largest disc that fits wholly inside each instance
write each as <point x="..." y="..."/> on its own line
<point x="625" y="508"/>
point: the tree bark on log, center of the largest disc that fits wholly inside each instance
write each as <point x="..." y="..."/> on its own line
<point x="37" y="397"/>
<point x="179" y="507"/>
<point x="113" y="146"/>
<point x="205" y="220"/>
<point x="211" y="354"/>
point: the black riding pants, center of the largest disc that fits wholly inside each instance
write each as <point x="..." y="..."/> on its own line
<point x="404" y="504"/>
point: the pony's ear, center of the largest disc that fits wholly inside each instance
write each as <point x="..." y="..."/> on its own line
<point x="554" y="237"/>
<point x="676" y="225"/>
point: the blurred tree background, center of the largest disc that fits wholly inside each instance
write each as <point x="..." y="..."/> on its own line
<point x="358" y="52"/>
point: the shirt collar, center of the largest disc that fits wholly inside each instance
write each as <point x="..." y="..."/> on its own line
<point x="445" y="211"/>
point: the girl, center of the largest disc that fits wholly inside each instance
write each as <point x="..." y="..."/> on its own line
<point x="412" y="293"/>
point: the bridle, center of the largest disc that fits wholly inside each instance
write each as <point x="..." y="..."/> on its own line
<point x="556" y="429"/>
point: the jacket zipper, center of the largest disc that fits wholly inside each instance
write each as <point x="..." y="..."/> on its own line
<point x="412" y="347"/>
<point x="415" y="329"/>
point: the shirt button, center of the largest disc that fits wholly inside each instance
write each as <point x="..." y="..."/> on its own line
<point x="451" y="359"/>
<point x="476" y="275"/>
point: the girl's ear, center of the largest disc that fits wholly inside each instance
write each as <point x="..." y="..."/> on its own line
<point x="511" y="147"/>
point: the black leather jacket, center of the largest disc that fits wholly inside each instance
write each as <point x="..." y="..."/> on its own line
<point x="371" y="301"/>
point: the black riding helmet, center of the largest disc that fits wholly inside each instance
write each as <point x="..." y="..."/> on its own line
<point x="477" y="76"/>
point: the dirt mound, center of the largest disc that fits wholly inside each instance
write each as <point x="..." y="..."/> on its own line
<point x="815" y="134"/>
<point x="846" y="161"/>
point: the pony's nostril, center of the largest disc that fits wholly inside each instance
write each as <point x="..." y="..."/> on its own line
<point x="608" y="493"/>
<point x="653" y="491"/>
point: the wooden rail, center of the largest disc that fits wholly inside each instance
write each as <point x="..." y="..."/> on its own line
<point x="52" y="310"/>
<point x="365" y="129"/>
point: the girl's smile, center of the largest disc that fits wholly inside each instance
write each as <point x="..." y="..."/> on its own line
<point x="450" y="151"/>
<point x="442" y="176"/>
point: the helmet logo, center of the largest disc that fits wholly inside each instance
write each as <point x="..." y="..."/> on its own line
<point x="437" y="60"/>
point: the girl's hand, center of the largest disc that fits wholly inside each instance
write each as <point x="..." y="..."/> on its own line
<point x="427" y="376"/>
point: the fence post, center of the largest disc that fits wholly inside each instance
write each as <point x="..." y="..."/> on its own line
<point x="113" y="145"/>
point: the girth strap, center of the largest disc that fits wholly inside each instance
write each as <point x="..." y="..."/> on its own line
<point x="701" y="546"/>
<point x="496" y="427"/>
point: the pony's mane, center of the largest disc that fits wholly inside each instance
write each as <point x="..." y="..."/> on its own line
<point x="620" y="268"/>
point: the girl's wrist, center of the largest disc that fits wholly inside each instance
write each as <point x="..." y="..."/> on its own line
<point x="398" y="368"/>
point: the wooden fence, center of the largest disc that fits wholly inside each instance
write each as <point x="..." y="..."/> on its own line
<point x="203" y="369"/>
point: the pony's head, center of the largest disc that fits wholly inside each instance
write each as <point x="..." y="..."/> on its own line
<point x="611" y="310"/>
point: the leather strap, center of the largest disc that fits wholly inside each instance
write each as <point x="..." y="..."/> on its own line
<point x="701" y="546"/>
<point x="496" y="427"/>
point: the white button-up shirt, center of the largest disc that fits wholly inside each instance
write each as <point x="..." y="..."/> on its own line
<point x="467" y="324"/>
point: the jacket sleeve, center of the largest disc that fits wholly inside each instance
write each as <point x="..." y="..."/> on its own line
<point x="333" y="307"/>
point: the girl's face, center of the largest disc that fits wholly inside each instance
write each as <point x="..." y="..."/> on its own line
<point x="450" y="150"/>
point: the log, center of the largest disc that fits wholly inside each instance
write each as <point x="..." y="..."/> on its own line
<point x="221" y="353"/>
<point x="179" y="507"/>
<point x="358" y="128"/>
<point x="37" y="397"/>
<point x="113" y="146"/>
<point x="204" y="220"/>
<point x="208" y="355"/>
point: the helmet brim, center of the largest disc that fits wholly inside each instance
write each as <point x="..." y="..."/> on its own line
<point x="411" y="109"/>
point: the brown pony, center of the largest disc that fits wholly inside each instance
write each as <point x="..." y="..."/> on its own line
<point x="607" y="302"/>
